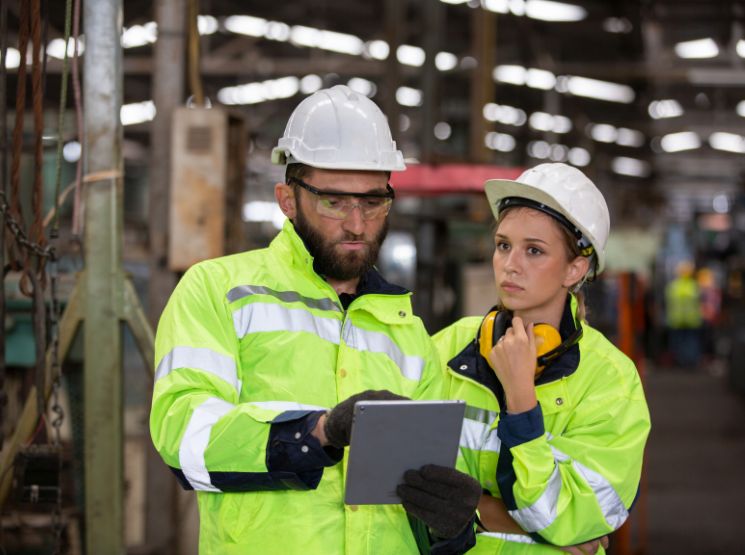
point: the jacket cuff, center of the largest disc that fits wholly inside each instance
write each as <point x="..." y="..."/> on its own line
<point x="519" y="428"/>
<point x="457" y="545"/>
<point x="293" y="448"/>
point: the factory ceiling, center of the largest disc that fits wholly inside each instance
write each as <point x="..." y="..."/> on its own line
<point x="646" y="95"/>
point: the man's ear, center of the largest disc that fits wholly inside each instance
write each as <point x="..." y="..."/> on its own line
<point x="285" y="196"/>
<point x="576" y="271"/>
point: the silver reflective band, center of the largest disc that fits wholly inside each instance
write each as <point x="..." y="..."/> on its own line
<point x="614" y="511"/>
<point x="542" y="513"/>
<point x="199" y="358"/>
<point x="285" y="406"/>
<point x="375" y="342"/>
<point x="243" y="291"/>
<point x="195" y="440"/>
<point x="515" y="538"/>
<point x="478" y="436"/>
<point x="268" y="317"/>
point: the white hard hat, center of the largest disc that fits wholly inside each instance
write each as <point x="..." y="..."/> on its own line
<point x="562" y="191"/>
<point x="339" y="129"/>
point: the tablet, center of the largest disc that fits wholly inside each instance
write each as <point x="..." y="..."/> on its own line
<point x="391" y="437"/>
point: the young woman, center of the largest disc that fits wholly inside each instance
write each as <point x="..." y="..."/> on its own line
<point x="556" y="442"/>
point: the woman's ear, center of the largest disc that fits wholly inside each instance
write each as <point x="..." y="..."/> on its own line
<point x="576" y="270"/>
<point x="285" y="196"/>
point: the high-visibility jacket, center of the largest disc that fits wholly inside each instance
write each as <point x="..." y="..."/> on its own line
<point x="683" y="303"/>
<point x="567" y="471"/>
<point x="258" y="338"/>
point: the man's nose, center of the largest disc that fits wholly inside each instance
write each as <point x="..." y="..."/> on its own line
<point x="354" y="221"/>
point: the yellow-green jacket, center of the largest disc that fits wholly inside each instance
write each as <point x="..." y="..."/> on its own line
<point x="569" y="470"/>
<point x="249" y="350"/>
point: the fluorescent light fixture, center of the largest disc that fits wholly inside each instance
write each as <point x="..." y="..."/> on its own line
<point x="513" y="74"/>
<point x="540" y="79"/>
<point x="539" y="149"/>
<point x="632" y="167"/>
<point x="207" y="25"/>
<point x="343" y="43"/>
<point x="140" y="35"/>
<point x="362" y="86"/>
<point x="668" y="108"/>
<point x="263" y="211"/>
<point x="410" y="55"/>
<point x="741" y="108"/>
<point x="499" y="141"/>
<point x="276" y="30"/>
<point x="246" y="25"/>
<point x="601" y="90"/>
<point x="697" y="49"/>
<point x="305" y="36"/>
<point x="443" y="130"/>
<point x="496" y="6"/>
<point x="676" y="142"/>
<point x="740" y="48"/>
<point x="56" y="48"/>
<point x="406" y="96"/>
<point x="12" y="58"/>
<point x="71" y="151"/>
<point x="253" y="93"/>
<point x="617" y="25"/>
<point x="558" y="153"/>
<point x="728" y="142"/>
<point x="578" y="156"/>
<point x="630" y="137"/>
<point x="310" y="84"/>
<point x="445" y="61"/>
<point x="603" y="133"/>
<point x="554" y="11"/>
<point x="454" y="2"/>
<point x="377" y="49"/>
<point x="543" y="121"/>
<point x="137" y="112"/>
<point x="507" y="115"/>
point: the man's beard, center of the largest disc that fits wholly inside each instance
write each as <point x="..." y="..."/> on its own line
<point x="327" y="262"/>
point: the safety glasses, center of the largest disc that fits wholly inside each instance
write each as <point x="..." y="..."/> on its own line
<point x="338" y="205"/>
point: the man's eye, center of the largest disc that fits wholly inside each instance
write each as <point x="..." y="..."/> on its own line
<point x="332" y="202"/>
<point x="373" y="202"/>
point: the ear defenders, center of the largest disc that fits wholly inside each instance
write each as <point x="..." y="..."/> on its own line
<point x="548" y="340"/>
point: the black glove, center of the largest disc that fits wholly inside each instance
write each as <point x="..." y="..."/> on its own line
<point x="443" y="498"/>
<point x="338" y="426"/>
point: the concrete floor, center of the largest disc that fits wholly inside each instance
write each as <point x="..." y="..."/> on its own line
<point x="695" y="464"/>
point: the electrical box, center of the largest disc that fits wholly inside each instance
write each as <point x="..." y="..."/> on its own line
<point x="207" y="169"/>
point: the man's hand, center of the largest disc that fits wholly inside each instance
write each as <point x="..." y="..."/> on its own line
<point x="443" y="498"/>
<point x="336" y="426"/>
<point x="587" y="548"/>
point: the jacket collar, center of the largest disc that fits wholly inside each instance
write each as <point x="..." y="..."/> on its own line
<point x="472" y="365"/>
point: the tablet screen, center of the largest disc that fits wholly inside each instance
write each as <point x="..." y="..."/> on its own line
<point x="391" y="437"/>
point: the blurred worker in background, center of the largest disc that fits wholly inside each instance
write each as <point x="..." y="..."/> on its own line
<point x="711" y="305"/>
<point x="556" y="441"/>
<point x="683" y="315"/>
<point x="252" y="350"/>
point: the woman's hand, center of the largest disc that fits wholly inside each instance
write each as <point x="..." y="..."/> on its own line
<point x="513" y="357"/>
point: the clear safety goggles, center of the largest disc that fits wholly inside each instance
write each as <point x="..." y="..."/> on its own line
<point x="338" y="205"/>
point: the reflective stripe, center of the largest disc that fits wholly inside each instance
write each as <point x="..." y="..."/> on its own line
<point x="542" y="513"/>
<point x="207" y="360"/>
<point x="285" y="405"/>
<point x="472" y="434"/>
<point x="516" y="538"/>
<point x="480" y="415"/>
<point x="376" y="342"/>
<point x="243" y="291"/>
<point x="267" y="317"/>
<point x="195" y="441"/>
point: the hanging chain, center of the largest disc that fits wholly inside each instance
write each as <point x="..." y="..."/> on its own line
<point x="56" y="407"/>
<point x="42" y="251"/>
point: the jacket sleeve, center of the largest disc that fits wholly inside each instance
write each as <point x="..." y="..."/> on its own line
<point x="209" y="439"/>
<point x="579" y="485"/>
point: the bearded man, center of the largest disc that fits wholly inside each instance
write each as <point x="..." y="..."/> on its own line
<point x="252" y="350"/>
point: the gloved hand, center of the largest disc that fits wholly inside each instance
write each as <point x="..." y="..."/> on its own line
<point x="338" y="426"/>
<point x="443" y="498"/>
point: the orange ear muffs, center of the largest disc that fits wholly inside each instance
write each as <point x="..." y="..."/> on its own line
<point x="496" y="323"/>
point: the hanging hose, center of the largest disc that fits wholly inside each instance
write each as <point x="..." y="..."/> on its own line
<point x="76" y="210"/>
<point x="195" y="82"/>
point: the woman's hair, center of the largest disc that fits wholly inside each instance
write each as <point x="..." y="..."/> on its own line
<point x="572" y="251"/>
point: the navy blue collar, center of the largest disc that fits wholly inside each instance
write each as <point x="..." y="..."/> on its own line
<point x="372" y="283"/>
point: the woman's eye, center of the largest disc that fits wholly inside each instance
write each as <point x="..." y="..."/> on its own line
<point x="502" y="246"/>
<point x="534" y="250"/>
